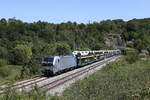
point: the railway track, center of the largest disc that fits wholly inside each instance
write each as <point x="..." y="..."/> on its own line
<point x="57" y="82"/>
<point x="51" y="85"/>
<point x="23" y="84"/>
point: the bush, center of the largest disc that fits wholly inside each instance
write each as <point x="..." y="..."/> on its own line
<point x="3" y="53"/>
<point x="35" y="94"/>
<point x="3" y="62"/>
<point x="4" y="71"/>
<point x="131" y="55"/>
<point x="22" y="54"/>
<point x="142" y="93"/>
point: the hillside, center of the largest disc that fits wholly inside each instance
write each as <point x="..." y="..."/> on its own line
<point x="25" y="44"/>
<point x="117" y="81"/>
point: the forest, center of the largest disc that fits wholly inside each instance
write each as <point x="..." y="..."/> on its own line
<point x="25" y="44"/>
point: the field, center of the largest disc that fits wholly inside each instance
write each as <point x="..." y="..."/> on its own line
<point x="117" y="81"/>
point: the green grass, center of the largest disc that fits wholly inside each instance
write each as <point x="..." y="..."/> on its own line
<point x="11" y="72"/>
<point x="117" y="81"/>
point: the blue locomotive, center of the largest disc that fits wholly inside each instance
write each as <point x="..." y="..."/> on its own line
<point x="52" y="65"/>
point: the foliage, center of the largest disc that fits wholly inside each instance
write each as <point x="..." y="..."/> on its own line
<point x="45" y="38"/>
<point x="62" y="49"/>
<point x="35" y="94"/>
<point x="142" y="93"/>
<point x="131" y="55"/>
<point x="58" y="48"/>
<point x="3" y="62"/>
<point x="3" y="53"/>
<point x="117" y="81"/>
<point x="22" y="54"/>
<point x="4" y="71"/>
<point x="143" y="54"/>
<point x="25" y="44"/>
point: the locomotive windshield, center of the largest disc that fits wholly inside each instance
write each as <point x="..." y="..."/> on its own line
<point x="48" y="59"/>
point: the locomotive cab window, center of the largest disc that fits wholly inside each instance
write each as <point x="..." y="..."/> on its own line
<point x="48" y="59"/>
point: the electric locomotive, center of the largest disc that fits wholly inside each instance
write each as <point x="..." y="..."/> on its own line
<point x="52" y="65"/>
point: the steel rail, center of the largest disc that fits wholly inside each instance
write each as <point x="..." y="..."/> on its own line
<point x="73" y="75"/>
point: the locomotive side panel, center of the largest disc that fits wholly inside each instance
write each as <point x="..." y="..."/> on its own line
<point x="66" y="62"/>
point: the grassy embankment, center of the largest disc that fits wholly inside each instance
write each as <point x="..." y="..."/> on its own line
<point x="9" y="73"/>
<point x="12" y="73"/>
<point x="117" y="81"/>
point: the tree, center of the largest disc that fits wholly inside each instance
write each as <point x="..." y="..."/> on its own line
<point x="58" y="48"/>
<point x="131" y="55"/>
<point x="62" y="48"/>
<point x="22" y="54"/>
<point x="60" y="39"/>
<point x="3" y="53"/>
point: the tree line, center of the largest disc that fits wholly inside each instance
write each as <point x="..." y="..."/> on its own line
<point x="24" y="43"/>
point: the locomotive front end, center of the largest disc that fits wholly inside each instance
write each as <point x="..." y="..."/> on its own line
<point x="47" y="65"/>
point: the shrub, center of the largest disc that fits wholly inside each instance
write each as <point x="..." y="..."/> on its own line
<point x="35" y="94"/>
<point x="4" y="71"/>
<point x="3" y="53"/>
<point x="131" y="55"/>
<point x="142" y="93"/>
<point x="25" y="73"/>
<point x="3" y="62"/>
<point x="22" y="54"/>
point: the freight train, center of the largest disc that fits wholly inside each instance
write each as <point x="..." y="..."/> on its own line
<point x="52" y="65"/>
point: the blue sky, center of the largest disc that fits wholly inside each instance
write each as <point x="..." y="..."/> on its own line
<point x="81" y="11"/>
